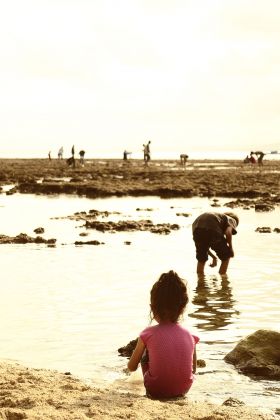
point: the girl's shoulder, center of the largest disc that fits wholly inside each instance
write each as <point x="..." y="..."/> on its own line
<point x="148" y="329"/>
<point x="188" y="332"/>
<point x="147" y="333"/>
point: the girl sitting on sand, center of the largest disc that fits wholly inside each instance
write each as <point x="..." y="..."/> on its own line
<point x="168" y="349"/>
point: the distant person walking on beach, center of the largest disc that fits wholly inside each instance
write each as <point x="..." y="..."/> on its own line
<point x="71" y="161"/>
<point x="126" y="154"/>
<point x="49" y="155"/>
<point x="147" y="152"/>
<point x="214" y="230"/>
<point x="82" y="157"/>
<point x="60" y="153"/>
<point x="167" y="350"/>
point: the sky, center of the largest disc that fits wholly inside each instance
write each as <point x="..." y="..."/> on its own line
<point x="109" y="75"/>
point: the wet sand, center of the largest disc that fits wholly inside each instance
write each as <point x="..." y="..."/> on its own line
<point x="44" y="394"/>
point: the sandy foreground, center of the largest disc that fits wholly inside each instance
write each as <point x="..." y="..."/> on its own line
<point x="28" y="393"/>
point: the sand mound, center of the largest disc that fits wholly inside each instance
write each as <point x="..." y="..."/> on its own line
<point x="27" y="393"/>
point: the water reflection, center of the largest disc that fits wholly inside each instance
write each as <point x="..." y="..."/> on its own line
<point x="214" y="303"/>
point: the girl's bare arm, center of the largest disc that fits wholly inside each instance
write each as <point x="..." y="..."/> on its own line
<point x="194" y="360"/>
<point x="136" y="355"/>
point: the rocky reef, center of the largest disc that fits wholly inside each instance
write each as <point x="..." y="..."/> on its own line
<point x="258" y="355"/>
<point x="166" y="179"/>
<point x="23" y="238"/>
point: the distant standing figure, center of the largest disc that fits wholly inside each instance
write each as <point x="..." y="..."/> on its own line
<point x="49" y="155"/>
<point x="73" y="162"/>
<point x="167" y="350"/>
<point x="125" y="154"/>
<point x="147" y="152"/>
<point x="184" y="159"/>
<point x="60" y="153"/>
<point x="214" y="230"/>
<point x="252" y="158"/>
<point x="82" y="156"/>
<point x="260" y="156"/>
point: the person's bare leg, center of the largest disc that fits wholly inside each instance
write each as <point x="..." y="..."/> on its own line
<point x="224" y="266"/>
<point x="200" y="267"/>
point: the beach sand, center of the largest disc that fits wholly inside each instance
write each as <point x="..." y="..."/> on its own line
<point x="40" y="394"/>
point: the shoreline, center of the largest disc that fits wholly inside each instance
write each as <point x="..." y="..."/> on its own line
<point x="42" y="394"/>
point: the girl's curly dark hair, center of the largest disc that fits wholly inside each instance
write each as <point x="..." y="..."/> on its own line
<point x="168" y="297"/>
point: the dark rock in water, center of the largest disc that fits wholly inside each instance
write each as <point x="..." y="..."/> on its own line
<point x="126" y="351"/>
<point x="96" y="213"/>
<point x="40" y="240"/>
<point x="258" y="355"/>
<point x="257" y="203"/>
<point x="215" y="203"/>
<point x="183" y="214"/>
<point x="131" y="225"/>
<point x="83" y="234"/>
<point x="264" y="229"/>
<point x="263" y="207"/>
<point x="23" y="238"/>
<point x="39" y="230"/>
<point x="147" y="209"/>
<point x="94" y="242"/>
<point x="240" y="203"/>
<point x="200" y="363"/>
<point x="277" y="230"/>
<point x="11" y="191"/>
<point x="127" y="242"/>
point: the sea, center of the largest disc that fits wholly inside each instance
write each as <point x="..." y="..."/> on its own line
<point x="71" y="307"/>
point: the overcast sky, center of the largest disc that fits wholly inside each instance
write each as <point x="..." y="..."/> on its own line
<point x="109" y="75"/>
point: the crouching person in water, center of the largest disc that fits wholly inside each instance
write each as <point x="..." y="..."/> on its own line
<point x="214" y="230"/>
<point x="166" y="350"/>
